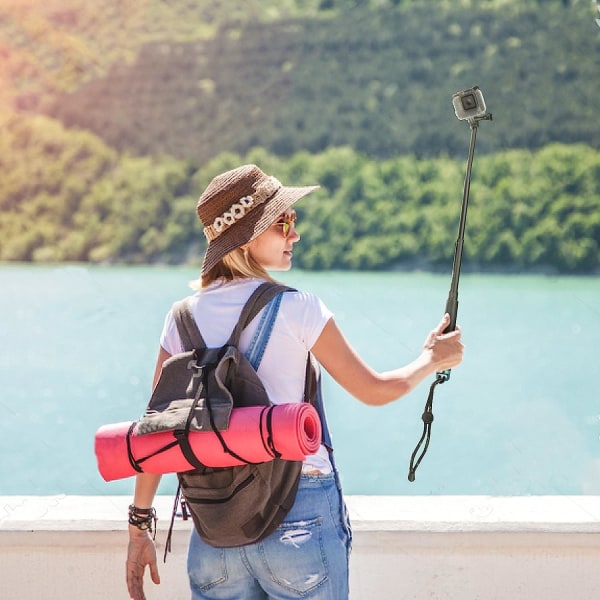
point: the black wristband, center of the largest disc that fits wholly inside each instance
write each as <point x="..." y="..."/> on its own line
<point x="142" y="511"/>
<point x="143" y="518"/>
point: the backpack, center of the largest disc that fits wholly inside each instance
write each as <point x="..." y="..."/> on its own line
<point x="196" y="391"/>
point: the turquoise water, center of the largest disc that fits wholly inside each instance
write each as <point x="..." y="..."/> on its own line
<point x="520" y="416"/>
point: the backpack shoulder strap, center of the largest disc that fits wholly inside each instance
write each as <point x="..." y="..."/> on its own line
<point x="189" y="333"/>
<point x="262" y="335"/>
<point x="263" y="294"/>
<point x="187" y="328"/>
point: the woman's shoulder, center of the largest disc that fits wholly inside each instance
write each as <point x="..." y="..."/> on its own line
<point x="305" y="315"/>
<point x="301" y="302"/>
<point x="301" y="297"/>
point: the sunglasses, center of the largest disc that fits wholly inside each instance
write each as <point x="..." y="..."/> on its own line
<point x="286" y="223"/>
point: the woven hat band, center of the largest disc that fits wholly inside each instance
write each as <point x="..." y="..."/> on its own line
<point x="267" y="188"/>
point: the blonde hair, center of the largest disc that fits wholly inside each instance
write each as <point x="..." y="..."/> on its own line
<point x="238" y="264"/>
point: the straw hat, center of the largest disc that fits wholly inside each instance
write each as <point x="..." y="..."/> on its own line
<point x="239" y="205"/>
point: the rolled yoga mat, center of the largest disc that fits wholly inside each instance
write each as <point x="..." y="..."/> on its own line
<point x="296" y="433"/>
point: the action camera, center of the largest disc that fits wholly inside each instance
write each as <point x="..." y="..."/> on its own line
<point x="469" y="104"/>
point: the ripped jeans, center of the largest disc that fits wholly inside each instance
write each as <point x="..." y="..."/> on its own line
<point x="306" y="557"/>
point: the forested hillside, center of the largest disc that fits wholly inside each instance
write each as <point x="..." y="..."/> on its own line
<point x="377" y="80"/>
<point x="84" y="202"/>
<point x="114" y="115"/>
<point x="193" y="79"/>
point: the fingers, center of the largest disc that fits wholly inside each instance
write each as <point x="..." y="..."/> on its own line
<point x="441" y="326"/>
<point x="154" y="573"/>
<point x="440" y="330"/>
<point x="135" y="579"/>
<point x="453" y="353"/>
<point x="141" y="552"/>
<point x="135" y="582"/>
<point x="456" y="334"/>
<point x="447" y="348"/>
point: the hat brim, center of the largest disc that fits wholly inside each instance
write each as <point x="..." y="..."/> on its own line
<point x="253" y="224"/>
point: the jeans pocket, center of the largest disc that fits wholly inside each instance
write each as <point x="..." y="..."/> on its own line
<point x="338" y="513"/>
<point x="295" y="557"/>
<point x="206" y="565"/>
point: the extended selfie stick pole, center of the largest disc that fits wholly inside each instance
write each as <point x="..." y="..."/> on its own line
<point x="452" y="302"/>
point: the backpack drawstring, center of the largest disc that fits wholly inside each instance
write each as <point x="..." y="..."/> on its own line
<point x="184" y="515"/>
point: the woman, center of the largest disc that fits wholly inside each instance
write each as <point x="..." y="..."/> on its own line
<point x="248" y="219"/>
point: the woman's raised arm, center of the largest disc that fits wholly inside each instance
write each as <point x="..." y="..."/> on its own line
<point x="440" y="351"/>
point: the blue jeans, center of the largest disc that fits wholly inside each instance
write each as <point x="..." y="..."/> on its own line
<point x="306" y="557"/>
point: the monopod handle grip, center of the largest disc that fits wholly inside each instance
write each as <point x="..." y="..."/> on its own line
<point x="452" y="310"/>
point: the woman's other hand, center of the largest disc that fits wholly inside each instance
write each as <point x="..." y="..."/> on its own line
<point x="141" y="552"/>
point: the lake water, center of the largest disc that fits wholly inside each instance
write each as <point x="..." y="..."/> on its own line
<point x="520" y="416"/>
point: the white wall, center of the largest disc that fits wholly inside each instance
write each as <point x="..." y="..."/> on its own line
<point x="434" y="548"/>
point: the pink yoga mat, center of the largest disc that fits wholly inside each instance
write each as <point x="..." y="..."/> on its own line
<point x="296" y="433"/>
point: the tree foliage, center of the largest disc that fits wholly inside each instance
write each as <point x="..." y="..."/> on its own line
<point x="114" y="117"/>
<point x="195" y="79"/>
<point x="66" y="196"/>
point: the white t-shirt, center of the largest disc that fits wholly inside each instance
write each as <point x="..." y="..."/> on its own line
<point x="300" y="320"/>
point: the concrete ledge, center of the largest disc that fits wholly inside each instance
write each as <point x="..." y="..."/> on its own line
<point x="434" y="547"/>
<point x="560" y="514"/>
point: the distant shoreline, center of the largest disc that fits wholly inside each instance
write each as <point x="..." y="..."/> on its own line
<point x="415" y="266"/>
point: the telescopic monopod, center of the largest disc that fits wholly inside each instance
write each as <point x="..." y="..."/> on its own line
<point x="469" y="105"/>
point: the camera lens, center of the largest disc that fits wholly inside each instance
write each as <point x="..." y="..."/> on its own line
<point x="468" y="102"/>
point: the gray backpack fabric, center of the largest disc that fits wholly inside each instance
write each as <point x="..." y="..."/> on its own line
<point x="196" y="391"/>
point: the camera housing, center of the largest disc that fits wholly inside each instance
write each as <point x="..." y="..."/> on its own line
<point x="469" y="104"/>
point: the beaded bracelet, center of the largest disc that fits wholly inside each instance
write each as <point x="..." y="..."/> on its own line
<point x="143" y="518"/>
